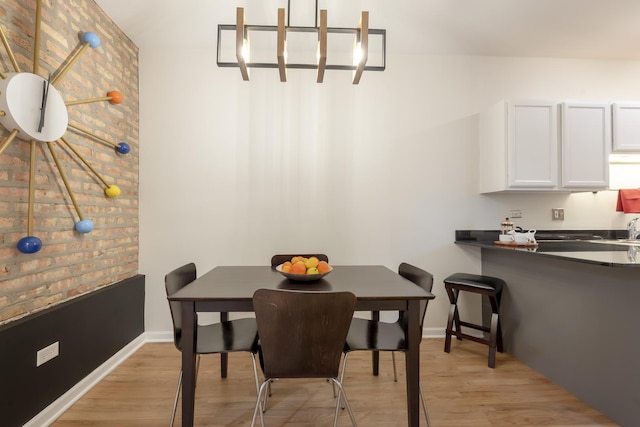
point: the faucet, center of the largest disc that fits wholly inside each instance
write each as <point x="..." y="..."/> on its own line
<point x="632" y="230"/>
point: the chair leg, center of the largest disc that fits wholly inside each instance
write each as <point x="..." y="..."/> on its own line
<point x="197" y="367"/>
<point x="342" y="396"/>
<point x="175" y="402"/>
<point x="344" y="367"/>
<point x="424" y="406"/>
<point x="395" y="373"/>
<point x="255" y="375"/>
<point x="263" y="389"/>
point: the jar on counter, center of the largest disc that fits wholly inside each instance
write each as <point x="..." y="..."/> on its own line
<point x="506" y="226"/>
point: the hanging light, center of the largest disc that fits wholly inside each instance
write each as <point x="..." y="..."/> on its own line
<point x="361" y="45"/>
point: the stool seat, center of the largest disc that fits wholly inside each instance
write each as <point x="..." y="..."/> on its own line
<point x="476" y="281"/>
<point x="491" y="288"/>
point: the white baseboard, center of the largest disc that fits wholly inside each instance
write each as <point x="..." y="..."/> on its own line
<point x="64" y="402"/>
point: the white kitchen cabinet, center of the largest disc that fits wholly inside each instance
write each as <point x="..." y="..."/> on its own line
<point x="626" y="127"/>
<point x="528" y="146"/>
<point x="585" y="145"/>
<point x="519" y="146"/>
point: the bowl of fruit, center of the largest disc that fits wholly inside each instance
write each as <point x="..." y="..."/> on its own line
<point x="303" y="269"/>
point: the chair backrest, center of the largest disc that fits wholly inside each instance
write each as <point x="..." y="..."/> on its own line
<point x="280" y="258"/>
<point x="421" y="278"/>
<point x="302" y="334"/>
<point x="174" y="281"/>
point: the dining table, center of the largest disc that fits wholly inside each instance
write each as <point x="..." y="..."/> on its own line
<point x="226" y="289"/>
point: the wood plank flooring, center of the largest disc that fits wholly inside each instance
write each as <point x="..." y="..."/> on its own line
<point x="460" y="391"/>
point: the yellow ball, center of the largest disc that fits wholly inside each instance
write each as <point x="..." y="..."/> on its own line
<point x="112" y="191"/>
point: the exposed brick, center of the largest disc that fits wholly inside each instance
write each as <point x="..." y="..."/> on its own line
<point x="70" y="263"/>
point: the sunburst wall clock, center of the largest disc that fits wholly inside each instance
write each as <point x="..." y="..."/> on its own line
<point x="33" y="110"/>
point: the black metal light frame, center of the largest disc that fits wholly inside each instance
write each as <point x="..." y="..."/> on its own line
<point x="298" y="29"/>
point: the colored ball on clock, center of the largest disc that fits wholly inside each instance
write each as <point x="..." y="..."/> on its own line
<point x="112" y="191"/>
<point x="116" y="97"/>
<point x="123" y="148"/>
<point x="91" y="38"/>
<point x="84" y="226"/>
<point x="29" y="245"/>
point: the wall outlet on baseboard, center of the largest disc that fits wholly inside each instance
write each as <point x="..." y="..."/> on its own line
<point x="47" y="353"/>
<point x="557" y="214"/>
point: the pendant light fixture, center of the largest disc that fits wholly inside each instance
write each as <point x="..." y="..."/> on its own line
<point x="360" y="48"/>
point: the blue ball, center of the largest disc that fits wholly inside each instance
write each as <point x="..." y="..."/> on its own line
<point x="29" y="245"/>
<point x="91" y="38"/>
<point x="123" y="148"/>
<point x="84" y="226"/>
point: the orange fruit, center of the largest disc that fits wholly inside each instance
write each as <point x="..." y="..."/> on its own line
<point x="298" y="268"/>
<point x="286" y="263"/>
<point x="296" y="259"/>
<point x="286" y="268"/>
<point x="323" y="267"/>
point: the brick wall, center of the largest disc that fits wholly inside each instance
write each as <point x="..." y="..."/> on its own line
<point x="70" y="263"/>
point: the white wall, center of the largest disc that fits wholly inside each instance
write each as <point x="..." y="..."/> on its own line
<point x="232" y="172"/>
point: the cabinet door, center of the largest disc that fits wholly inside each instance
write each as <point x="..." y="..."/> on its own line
<point x="533" y="145"/>
<point x="626" y="128"/>
<point x="586" y="142"/>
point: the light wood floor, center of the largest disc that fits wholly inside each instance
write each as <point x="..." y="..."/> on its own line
<point x="460" y="391"/>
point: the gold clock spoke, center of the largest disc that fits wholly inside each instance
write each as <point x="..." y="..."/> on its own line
<point x="85" y="162"/>
<point x="93" y="135"/>
<point x="32" y="189"/>
<point x="87" y="42"/>
<point x="36" y="38"/>
<point x="8" y="140"/>
<point x="7" y="48"/>
<point x="63" y="176"/>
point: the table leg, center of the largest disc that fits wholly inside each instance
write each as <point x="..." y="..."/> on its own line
<point x="189" y="324"/>
<point x="224" y="359"/>
<point x="413" y="363"/>
<point x="375" y="355"/>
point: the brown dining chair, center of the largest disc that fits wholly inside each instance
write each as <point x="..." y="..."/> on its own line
<point x="372" y="335"/>
<point x="302" y="335"/>
<point x="217" y="338"/>
<point x="278" y="259"/>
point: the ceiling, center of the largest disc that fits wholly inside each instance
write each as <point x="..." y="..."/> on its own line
<point x="597" y="29"/>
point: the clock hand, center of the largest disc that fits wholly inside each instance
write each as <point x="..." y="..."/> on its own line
<point x="43" y="107"/>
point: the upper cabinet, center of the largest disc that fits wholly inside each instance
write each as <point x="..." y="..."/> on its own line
<point x="529" y="146"/>
<point x="626" y="127"/>
<point x="585" y="142"/>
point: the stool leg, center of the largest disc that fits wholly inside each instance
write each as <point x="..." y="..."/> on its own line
<point x="500" y="346"/>
<point x="447" y="341"/>
<point x="495" y="308"/>
<point x="493" y="340"/>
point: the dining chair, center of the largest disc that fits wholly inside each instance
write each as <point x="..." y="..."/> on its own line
<point x="302" y="335"/>
<point x="372" y="335"/>
<point x="217" y="338"/>
<point x="278" y="259"/>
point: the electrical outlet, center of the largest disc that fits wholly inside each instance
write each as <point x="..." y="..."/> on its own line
<point x="515" y="213"/>
<point x="47" y="353"/>
<point x="557" y="214"/>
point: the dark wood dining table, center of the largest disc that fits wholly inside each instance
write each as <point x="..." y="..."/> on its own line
<point x="227" y="289"/>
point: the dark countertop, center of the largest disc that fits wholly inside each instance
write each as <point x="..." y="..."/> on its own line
<point x="573" y="245"/>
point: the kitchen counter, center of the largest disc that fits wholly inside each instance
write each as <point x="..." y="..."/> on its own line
<point x="575" y="245"/>
<point x="566" y="311"/>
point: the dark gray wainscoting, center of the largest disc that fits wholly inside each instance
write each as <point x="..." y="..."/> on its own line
<point x="90" y="329"/>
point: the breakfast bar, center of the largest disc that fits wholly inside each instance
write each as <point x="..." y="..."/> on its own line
<point x="569" y="312"/>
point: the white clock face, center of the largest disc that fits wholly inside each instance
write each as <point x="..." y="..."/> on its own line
<point x="21" y="98"/>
